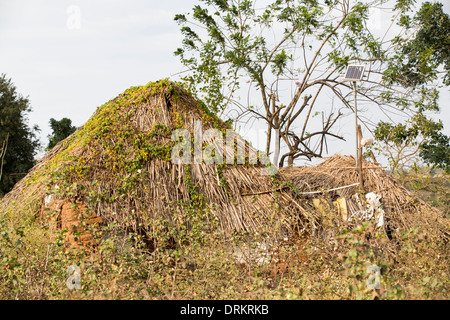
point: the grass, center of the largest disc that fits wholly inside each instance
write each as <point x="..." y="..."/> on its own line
<point x="205" y="266"/>
<point x="431" y="185"/>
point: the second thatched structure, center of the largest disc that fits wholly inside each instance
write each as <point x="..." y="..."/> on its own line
<point x="332" y="189"/>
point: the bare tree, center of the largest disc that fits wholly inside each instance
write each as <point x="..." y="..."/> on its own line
<point x="293" y="52"/>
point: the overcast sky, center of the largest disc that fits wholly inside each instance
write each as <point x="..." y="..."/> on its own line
<point x="69" y="57"/>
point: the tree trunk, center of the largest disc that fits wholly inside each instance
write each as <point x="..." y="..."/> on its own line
<point x="276" y="153"/>
<point x="290" y="161"/>
<point x="269" y="137"/>
<point x="3" y="153"/>
<point x="276" y="126"/>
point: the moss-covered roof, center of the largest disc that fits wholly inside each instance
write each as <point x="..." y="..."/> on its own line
<point x="118" y="163"/>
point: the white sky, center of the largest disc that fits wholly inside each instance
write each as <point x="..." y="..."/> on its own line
<point x="69" y="67"/>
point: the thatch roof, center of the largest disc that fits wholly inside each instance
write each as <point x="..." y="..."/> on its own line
<point x="403" y="210"/>
<point x="118" y="163"/>
<point x="118" y="166"/>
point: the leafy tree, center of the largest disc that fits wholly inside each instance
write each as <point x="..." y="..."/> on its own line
<point x="18" y="141"/>
<point x="292" y="52"/>
<point x="419" y="136"/>
<point x="424" y="51"/>
<point x="422" y="56"/>
<point x="436" y="152"/>
<point x="61" y="130"/>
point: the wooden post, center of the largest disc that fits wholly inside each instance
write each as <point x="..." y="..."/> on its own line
<point x="358" y="140"/>
<point x="360" y="158"/>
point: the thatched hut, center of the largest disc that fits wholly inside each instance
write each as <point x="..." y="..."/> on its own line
<point x="118" y="168"/>
<point x="333" y="187"/>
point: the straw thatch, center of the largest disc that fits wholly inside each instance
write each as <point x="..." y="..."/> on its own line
<point x="119" y="165"/>
<point x="402" y="210"/>
<point x="118" y="168"/>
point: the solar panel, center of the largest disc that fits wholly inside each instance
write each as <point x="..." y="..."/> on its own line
<point x="354" y="72"/>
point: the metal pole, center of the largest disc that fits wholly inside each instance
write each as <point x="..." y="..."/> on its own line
<point x="356" y="124"/>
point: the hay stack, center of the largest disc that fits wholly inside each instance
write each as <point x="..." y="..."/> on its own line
<point x="118" y="164"/>
<point x="402" y="209"/>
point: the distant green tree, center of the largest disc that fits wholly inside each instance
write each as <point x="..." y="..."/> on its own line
<point x="436" y="152"/>
<point x="423" y="52"/>
<point x="17" y="140"/>
<point x="61" y="130"/>
<point x="419" y="136"/>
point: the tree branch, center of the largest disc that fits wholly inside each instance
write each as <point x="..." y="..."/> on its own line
<point x="3" y="153"/>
